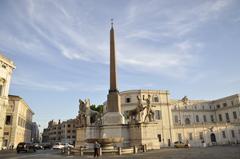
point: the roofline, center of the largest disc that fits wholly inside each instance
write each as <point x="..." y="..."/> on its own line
<point x="8" y="61"/>
<point x="144" y="90"/>
<point x="20" y="99"/>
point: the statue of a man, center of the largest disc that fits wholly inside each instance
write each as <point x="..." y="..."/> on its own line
<point x="150" y="112"/>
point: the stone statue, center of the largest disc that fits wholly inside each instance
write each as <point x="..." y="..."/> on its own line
<point x="150" y="112"/>
<point x="135" y="114"/>
<point x="87" y="116"/>
<point x="185" y="100"/>
<point x="82" y="113"/>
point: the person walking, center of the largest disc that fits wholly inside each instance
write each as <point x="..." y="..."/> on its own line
<point x="96" y="149"/>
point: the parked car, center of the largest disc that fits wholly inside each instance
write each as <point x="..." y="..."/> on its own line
<point x="24" y="146"/>
<point x="179" y="144"/>
<point x="38" y="146"/>
<point x="46" y="146"/>
<point x="66" y="145"/>
<point x="58" y="146"/>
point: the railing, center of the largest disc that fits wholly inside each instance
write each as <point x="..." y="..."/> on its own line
<point x="119" y="151"/>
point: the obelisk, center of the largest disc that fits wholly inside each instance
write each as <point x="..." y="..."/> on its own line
<point x="113" y="115"/>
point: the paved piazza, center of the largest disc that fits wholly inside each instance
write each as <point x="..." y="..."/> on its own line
<point x="217" y="152"/>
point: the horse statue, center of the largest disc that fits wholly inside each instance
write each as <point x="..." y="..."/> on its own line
<point x="135" y="114"/>
<point x="185" y="100"/>
<point x="87" y="115"/>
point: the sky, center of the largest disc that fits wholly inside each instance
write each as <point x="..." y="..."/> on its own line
<point x="61" y="50"/>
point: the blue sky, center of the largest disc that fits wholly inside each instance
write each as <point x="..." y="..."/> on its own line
<point x="61" y="49"/>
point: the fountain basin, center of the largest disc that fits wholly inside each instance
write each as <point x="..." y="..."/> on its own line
<point x="106" y="143"/>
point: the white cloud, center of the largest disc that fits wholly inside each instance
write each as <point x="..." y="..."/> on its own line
<point x="67" y="29"/>
<point x="32" y="83"/>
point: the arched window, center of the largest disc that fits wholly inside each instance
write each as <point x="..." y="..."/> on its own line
<point x="187" y="121"/>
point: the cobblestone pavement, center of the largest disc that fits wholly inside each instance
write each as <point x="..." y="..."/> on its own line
<point x="216" y="152"/>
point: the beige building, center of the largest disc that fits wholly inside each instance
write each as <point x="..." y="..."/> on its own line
<point x="64" y="132"/>
<point x="6" y="69"/>
<point x="18" y="122"/>
<point x="214" y="122"/>
<point x="198" y="121"/>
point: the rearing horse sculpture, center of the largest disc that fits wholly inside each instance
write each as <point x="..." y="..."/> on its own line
<point x="135" y="114"/>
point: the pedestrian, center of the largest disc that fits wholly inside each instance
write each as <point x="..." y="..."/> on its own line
<point x="188" y="144"/>
<point x="96" y="149"/>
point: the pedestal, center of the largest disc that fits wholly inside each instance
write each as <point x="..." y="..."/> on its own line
<point x="113" y="118"/>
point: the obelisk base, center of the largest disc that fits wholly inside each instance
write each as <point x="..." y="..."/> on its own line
<point x="113" y="118"/>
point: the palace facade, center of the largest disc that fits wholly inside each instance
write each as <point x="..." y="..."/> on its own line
<point x="196" y="121"/>
<point x="6" y="69"/>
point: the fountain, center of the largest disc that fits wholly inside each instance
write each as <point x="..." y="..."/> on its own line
<point x="106" y="143"/>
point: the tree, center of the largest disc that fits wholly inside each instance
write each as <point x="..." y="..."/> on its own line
<point x="98" y="108"/>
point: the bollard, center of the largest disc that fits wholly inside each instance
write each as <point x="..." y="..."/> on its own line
<point x="68" y="151"/>
<point x="100" y="151"/>
<point x="81" y="151"/>
<point x="119" y="151"/>
<point x="135" y="149"/>
<point x="63" y="150"/>
<point x="145" y="148"/>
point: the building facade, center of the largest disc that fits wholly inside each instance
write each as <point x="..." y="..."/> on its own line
<point x="64" y="132"/>
<point x="18" y="122"/>
<point x="6" y="69"/>
<point x="193" y="121"/>
<point x="35" y="133"/>
<point x="212" y="122"/>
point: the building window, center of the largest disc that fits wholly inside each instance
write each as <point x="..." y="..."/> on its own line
<point x="69" y="125"/>
<point x="143" y="97"/>
<point x="6" y="133"/>
<point x="197" y="118"/>
<point x="176" y="119"/>
<point x="187" y="121"/>
<point x="227" y="117"/>
<point x="210" y="107"/>
<point x="220" y="117"/>
<point x="159" y="138"/>
<point x="68" y="137"/>
<point x="69" y="131"/>
<point x="204" y="118"/>
<point x="128" y="100"/>
<point x="224" y="104"/>
<point x="190" y="136"/>
<point x="179" y="137"/>
<point x="8" y="120"/>
<point x="232" y="103"/>
<point x="73" y="137"/>
<point x="203" y="107"/>
<point x="157" y="114"/>
<point x="223" y="134"/>
<point x="1" y="90"/>
<point x="155" y="99"/>
<point x="234" y="115"/>
<point x="73" y="131"/>
<point x="218" y="106"/>
<point x="212" y="118"/>
<point x="233" y="134"/>
<point x="201" y="135"/>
